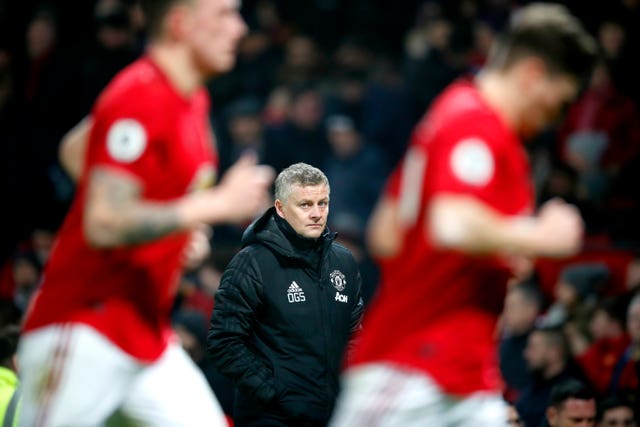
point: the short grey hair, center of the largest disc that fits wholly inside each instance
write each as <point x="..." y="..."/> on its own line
<point x="300" y="174"/>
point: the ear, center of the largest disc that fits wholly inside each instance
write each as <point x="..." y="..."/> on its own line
<point x="530" y="72"/>
<point x="278" y="204"/>
<point x="178" y="21"/>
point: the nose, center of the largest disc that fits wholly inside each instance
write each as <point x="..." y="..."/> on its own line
<point x="315" y="212"/>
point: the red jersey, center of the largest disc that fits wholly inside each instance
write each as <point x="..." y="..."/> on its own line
<point x="599" y="361"/>
<point x="436" y="309"/>
<point x="144" y="128"/>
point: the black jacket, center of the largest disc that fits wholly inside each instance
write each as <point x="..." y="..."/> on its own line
<point x="284" y="314"/>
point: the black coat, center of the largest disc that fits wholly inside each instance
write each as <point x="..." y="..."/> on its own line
<point x="284" y="314"/>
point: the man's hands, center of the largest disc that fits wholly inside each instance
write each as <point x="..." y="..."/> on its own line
<point x="559" y="229"/>
<point x="241" y="195"/>
<point x="245" y="188"/>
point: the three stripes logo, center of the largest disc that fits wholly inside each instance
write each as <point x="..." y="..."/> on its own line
<point x="295" y="293"/>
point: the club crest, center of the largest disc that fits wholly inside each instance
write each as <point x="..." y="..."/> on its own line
<point x="338" y="280"/>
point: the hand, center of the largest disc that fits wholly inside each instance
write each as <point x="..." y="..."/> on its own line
<point x="245" y="188"/>
<point x="559" y="229"/>
<point x="521" y="266"/>
<point x="198" y="247"/>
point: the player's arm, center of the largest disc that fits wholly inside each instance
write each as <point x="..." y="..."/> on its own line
<point x="464" y="223"/>
<point x="460" y="220"/>
<point x="398" y="208"/>
<point x="73" y="148"/>
<point x="116" y="213"/>
<point x="384" y="233"/>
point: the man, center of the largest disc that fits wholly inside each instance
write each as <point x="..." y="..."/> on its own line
<point x="625" y="377"/>
<point x="597" y="353"/>
<point x="452" y="227"/>
<point x="522" y="306"/>
<point x="571" y="404"/>
<point x="615" y="412"/>
<point x="549" y="363"/>
<point x="286" y="309"/>
<point x="97" y="338"/>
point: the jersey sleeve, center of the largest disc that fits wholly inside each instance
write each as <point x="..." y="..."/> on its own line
<point x="466" y="159"/>
<point x="128" y="133"/>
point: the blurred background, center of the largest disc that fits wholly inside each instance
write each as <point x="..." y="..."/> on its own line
<point x="338" y="84"/>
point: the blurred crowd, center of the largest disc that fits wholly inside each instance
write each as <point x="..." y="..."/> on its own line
<point x="339" y="84"/>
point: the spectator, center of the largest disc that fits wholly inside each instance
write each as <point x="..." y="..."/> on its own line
<point x="115" y="47"/>
<point x="571" y="404"/>
<point x="523" y="304"/>
<point x="302" y="137"/>
<point x="243" y="131"/>
<point x="356" y="166"/>
<point x="616" y="412"/>
<point x="577" y="290"/>
<point x="286" y="308"/>
<point x="607" y="341"/>
<point x="111" y="279"/>
<point x="549" y="364"/>
<point x="10" y="394"/>
<point x="626" y="371"/>
<point x="601" y="133"/>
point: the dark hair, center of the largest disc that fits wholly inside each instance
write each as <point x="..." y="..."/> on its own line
<point x="154" y="13"/>
<point x="613" y="402"/>
<point x="555" y="336"/>
<point x="531" y="293"/>
<point x="550" y="32"/>
<point x="615" y="307"/>
<point x="569" y="389"/>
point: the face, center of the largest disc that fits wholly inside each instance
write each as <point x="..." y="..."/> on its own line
<point x="214" y="30"/>
<point x="573" y="413"/>
<point x="618" y="417"/>
<point x="306" y="210"/>
<point x="633" y="321"/>
<point x="566" y="294"/>
<point x="599" y="324"/>
<point x="307" y="110"/>
<point x="518" y="315"/>
<point x="547" y="97"/>
<point x="535" y="353"/>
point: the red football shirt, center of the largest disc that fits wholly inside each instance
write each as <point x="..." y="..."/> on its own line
<point x="144" y="128"/>
<point x="436" y="310"/>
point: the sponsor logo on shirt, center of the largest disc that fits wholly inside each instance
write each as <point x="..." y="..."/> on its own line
<point x="126" y="140"/>
<point x="472" y="162"/>
<point x="341" y="297"/>
<point x="295" y="293"/>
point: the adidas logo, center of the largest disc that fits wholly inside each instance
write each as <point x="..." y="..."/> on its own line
<point x="295" y="293"/>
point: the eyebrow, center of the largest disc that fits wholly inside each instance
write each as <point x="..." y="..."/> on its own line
<point x="324" y="199"/>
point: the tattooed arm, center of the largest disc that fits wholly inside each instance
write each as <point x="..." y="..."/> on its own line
<point x="117" y="215"/>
